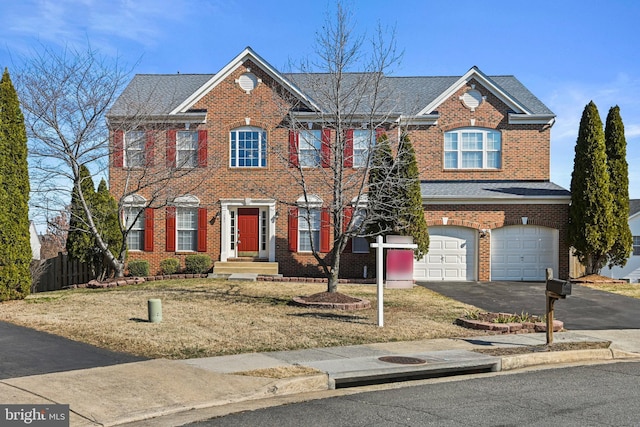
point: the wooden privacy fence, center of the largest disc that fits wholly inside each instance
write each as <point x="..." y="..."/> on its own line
<point x="56" y="273"/>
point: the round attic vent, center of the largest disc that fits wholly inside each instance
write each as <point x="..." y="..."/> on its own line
<point x="248" y="82"/>
<point x="472" y="99"/>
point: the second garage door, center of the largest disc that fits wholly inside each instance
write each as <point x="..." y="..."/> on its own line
<point x="452" y="254"/>
<point x="523" y="252"/>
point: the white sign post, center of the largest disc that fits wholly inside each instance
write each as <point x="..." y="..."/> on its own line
<point x="380" y="247"/>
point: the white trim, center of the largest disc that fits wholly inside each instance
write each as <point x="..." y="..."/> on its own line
<point x="237" y="62"/>
<point x="531" y="119"/>
<point x="484" y="80"/>
<point x="227" y="205"/>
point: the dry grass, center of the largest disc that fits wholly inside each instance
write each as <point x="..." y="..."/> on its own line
<point x="213" y="317"/>
<point x="626" y="289"/>
<point x="280" y="372"/>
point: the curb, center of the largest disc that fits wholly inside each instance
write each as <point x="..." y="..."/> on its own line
<point x="558" y="357"/>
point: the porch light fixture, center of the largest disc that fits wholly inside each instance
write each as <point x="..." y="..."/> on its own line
<point x="310" y="125"/>
<point x="525" y="220"/>
<point x="445" y="220"/>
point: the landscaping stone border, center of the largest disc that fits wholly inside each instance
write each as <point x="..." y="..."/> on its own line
<point x="361" y="304"/>
<point x="507" y="328"/>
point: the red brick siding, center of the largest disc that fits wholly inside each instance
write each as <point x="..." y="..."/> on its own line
<point x="525" y="150"/>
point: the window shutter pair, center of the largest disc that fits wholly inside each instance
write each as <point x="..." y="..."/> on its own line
<point x="325" y="230"/>
<point x="202" y="148"/>
<point x="118" y="148"/>
<point x="348" y="146"/>
<point x="171" y="231"/>
<point x="325" y="148"/>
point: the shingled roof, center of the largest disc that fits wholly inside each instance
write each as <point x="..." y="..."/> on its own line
<point x="162" y="94"/>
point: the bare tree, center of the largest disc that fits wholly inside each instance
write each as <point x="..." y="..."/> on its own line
<point x="332" y="144"/>
<point x="66" y="96"/>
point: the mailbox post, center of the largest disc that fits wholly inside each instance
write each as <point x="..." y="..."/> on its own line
<point x="556" y="289"/>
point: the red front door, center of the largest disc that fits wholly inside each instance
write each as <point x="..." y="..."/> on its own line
<point x="248" y="237"/>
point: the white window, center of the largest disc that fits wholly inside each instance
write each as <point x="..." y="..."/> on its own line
<point x="636" y="245"/>
<point x="187" y="228"/>
<point x="187" y="149"/>
<point x="309" y="148"/>
<point x="248" y="147"/>
<point x="134" y="142"/>
<point x="134" y="218"/>
<point x="472" y="148"/>
<point x="363" y="142"/>
<point x="308" y="229"/>
<point x="359" y="244"/>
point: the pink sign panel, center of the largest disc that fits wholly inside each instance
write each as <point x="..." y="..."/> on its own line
<point x="399" y="268"/>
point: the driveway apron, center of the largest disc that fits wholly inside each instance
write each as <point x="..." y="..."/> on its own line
<point x="584" y="309"/>
<point x="25" y="351"/>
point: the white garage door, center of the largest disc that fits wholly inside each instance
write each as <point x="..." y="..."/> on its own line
<point x="523" y="252"/>
<point x="452" y="255"/>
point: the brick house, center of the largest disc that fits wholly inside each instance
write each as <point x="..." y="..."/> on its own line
<point x="482" y="145"/>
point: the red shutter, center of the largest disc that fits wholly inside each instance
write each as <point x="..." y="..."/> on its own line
<point x="293" y="149"/>
<point x="325" y="150"/>
<point x="325" y="231"/>
<point x="149" y="148"/>
<point x="118" y="148"/>
<point x="148" y="229"/>
<point x="202" y="148"/>
<point x="348" y="149"/>
<point x="171" y="229"/>
<point x="202" y="229"/>
<point x="171" y="148"/>
<point x="348" y="214"/>
<point x="293" y="229"/>
<point x="380" y="132"/>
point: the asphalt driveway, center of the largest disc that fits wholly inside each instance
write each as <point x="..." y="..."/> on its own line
<point x="25" y="351"/>
<point x="584" y="309"/>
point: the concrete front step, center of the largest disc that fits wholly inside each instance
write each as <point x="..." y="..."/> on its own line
<point x="264" y="268"/>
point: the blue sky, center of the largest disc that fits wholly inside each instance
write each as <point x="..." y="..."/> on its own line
<point x="567" y="52"/>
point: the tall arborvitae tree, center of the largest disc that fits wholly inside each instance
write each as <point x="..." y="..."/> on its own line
<point x="616" y="146"/>
<point x="80" y="240"/>
<point x="381" y="194"/>
<point x="591" y="230"/>
<point x="411" y="220"/>
<point x="15" y="246"/>
<point x="105" y="215"/>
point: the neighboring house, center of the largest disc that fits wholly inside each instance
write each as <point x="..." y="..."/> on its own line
<point x="482" y="145"/>
<point x="35" y="241"/>
<point x="631" y="270"/>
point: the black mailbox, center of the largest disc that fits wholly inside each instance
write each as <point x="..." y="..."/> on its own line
<point x="560" y="287"/>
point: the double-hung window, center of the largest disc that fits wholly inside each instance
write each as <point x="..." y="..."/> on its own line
<point x="363" y="142"/>
<point x="359" y="244"/>
<point x="187" y="149"/>
<point x="472" y="148"/>
<point x="248" y="147"/>
<point x="187" y="228"/>
<point x="308" y="229"/>
<point x="309" y="148"/>
<point x="636" y="245"/>
<point x="134" y="221"/>
<point x="134" y="148"/>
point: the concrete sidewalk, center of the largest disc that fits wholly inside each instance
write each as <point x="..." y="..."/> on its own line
<point x="131" y="392"/>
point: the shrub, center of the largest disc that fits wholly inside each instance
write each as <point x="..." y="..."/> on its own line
<point x="197" y="264"/>
<point x="169" y="265"/>
<point x="139" y="268"/>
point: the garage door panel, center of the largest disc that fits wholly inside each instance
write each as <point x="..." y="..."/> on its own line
<point x="523" y="252"/>
<point x="451" y="256"/>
